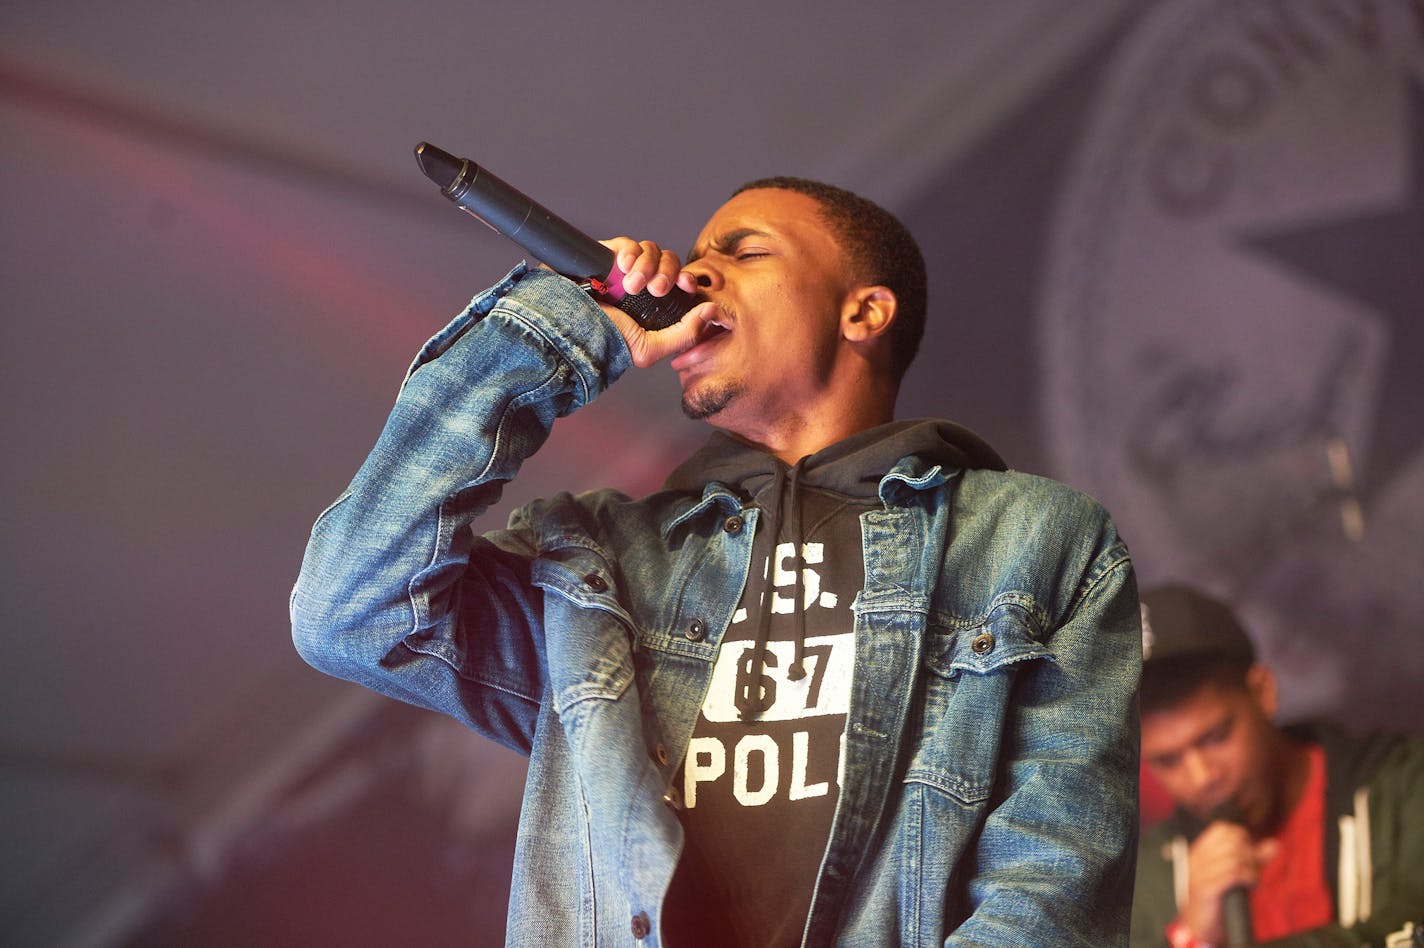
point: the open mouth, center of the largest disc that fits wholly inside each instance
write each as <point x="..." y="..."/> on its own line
<point x="711" y="331"/>
<point x="712" y="328"/>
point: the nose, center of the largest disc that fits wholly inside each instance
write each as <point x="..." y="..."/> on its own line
<point x="1198" y="770"/>
<point x="706" y="274"/>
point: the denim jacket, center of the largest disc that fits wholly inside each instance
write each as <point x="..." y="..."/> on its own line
<point x="990" y="760"/>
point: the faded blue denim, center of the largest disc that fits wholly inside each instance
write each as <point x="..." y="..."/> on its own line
<point x="989" y="794"/>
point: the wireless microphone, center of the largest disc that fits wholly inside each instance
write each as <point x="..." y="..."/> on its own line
<point x="563" y="247"/>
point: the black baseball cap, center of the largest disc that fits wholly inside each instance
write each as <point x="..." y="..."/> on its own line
<point x="1181" y="622"/>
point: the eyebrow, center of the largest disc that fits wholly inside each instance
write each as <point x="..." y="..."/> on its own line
<point x="1170" y="757"/>
<point x="727" y="242"/>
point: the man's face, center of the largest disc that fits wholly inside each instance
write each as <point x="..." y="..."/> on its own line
<point x="780" y="282"/>
<point x="1214" y="748"/>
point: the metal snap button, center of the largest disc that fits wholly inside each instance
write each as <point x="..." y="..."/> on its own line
<point x="595" y="582"/>
<point x="696" y="631"/>
<point x="672" y="798"/>
<point x="982" y="643"/>
<point x="641" y="927"/>
<point x="733" y="524"/>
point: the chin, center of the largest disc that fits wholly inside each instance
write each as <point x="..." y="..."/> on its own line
<point x="698" y="411"/>
<point x="706" y="402"/>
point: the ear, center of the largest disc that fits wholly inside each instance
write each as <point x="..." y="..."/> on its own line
<point x="868" y="312"/>
<point x="1261" y="683"/>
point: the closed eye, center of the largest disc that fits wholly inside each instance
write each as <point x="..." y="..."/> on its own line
<point x="1217" y="735"/>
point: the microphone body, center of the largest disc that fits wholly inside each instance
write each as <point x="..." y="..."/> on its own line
<point x="563" y="247"/>
<point x="1236" y="901"/>
<point x="1236" y="917"/>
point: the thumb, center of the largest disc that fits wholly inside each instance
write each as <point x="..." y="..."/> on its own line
<point x="1266" y="850"/>
<point x="648" y="347"/>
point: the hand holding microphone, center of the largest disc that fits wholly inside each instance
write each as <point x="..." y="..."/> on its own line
<point x="1223" y="864"/>
<point x="646" y="270"/>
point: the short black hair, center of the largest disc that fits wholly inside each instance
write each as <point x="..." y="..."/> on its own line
<point x="1167" y="683"/>
<point x="882" y="250"/>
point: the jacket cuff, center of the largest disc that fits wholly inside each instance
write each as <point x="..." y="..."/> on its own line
<point x="555" y="308"/>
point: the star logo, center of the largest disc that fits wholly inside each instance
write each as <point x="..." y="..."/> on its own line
<point x="1376" y="257"/>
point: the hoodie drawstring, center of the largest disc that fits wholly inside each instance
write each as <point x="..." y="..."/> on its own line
<point x="756" y="699"/>
<point x="797" y="671"/>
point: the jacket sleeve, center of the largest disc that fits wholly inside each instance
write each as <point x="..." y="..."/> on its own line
<point x="396" y="592"/>
<point x="1055" y="858"/>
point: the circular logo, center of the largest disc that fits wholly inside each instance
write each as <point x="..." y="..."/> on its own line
<point x="1232" y="325"/>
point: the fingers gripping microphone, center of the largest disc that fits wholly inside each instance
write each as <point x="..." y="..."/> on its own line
<point x="1236" y="901"/>
<point x="563" y="247"/>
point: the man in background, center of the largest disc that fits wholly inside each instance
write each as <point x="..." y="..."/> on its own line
<point x="1309" y="835"/>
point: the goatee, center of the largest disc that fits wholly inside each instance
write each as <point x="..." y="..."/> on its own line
<point x="704" y="403"/>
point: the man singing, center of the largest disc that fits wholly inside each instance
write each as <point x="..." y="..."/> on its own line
<point x="842" y="680"/>
<point x="1318" y="831"/>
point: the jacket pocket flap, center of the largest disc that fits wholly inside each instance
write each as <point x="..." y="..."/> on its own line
<point x="1005" y="637"/>
<point x="576" y="574"/>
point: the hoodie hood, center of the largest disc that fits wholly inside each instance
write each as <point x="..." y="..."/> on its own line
<point x="852" y="466"/>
